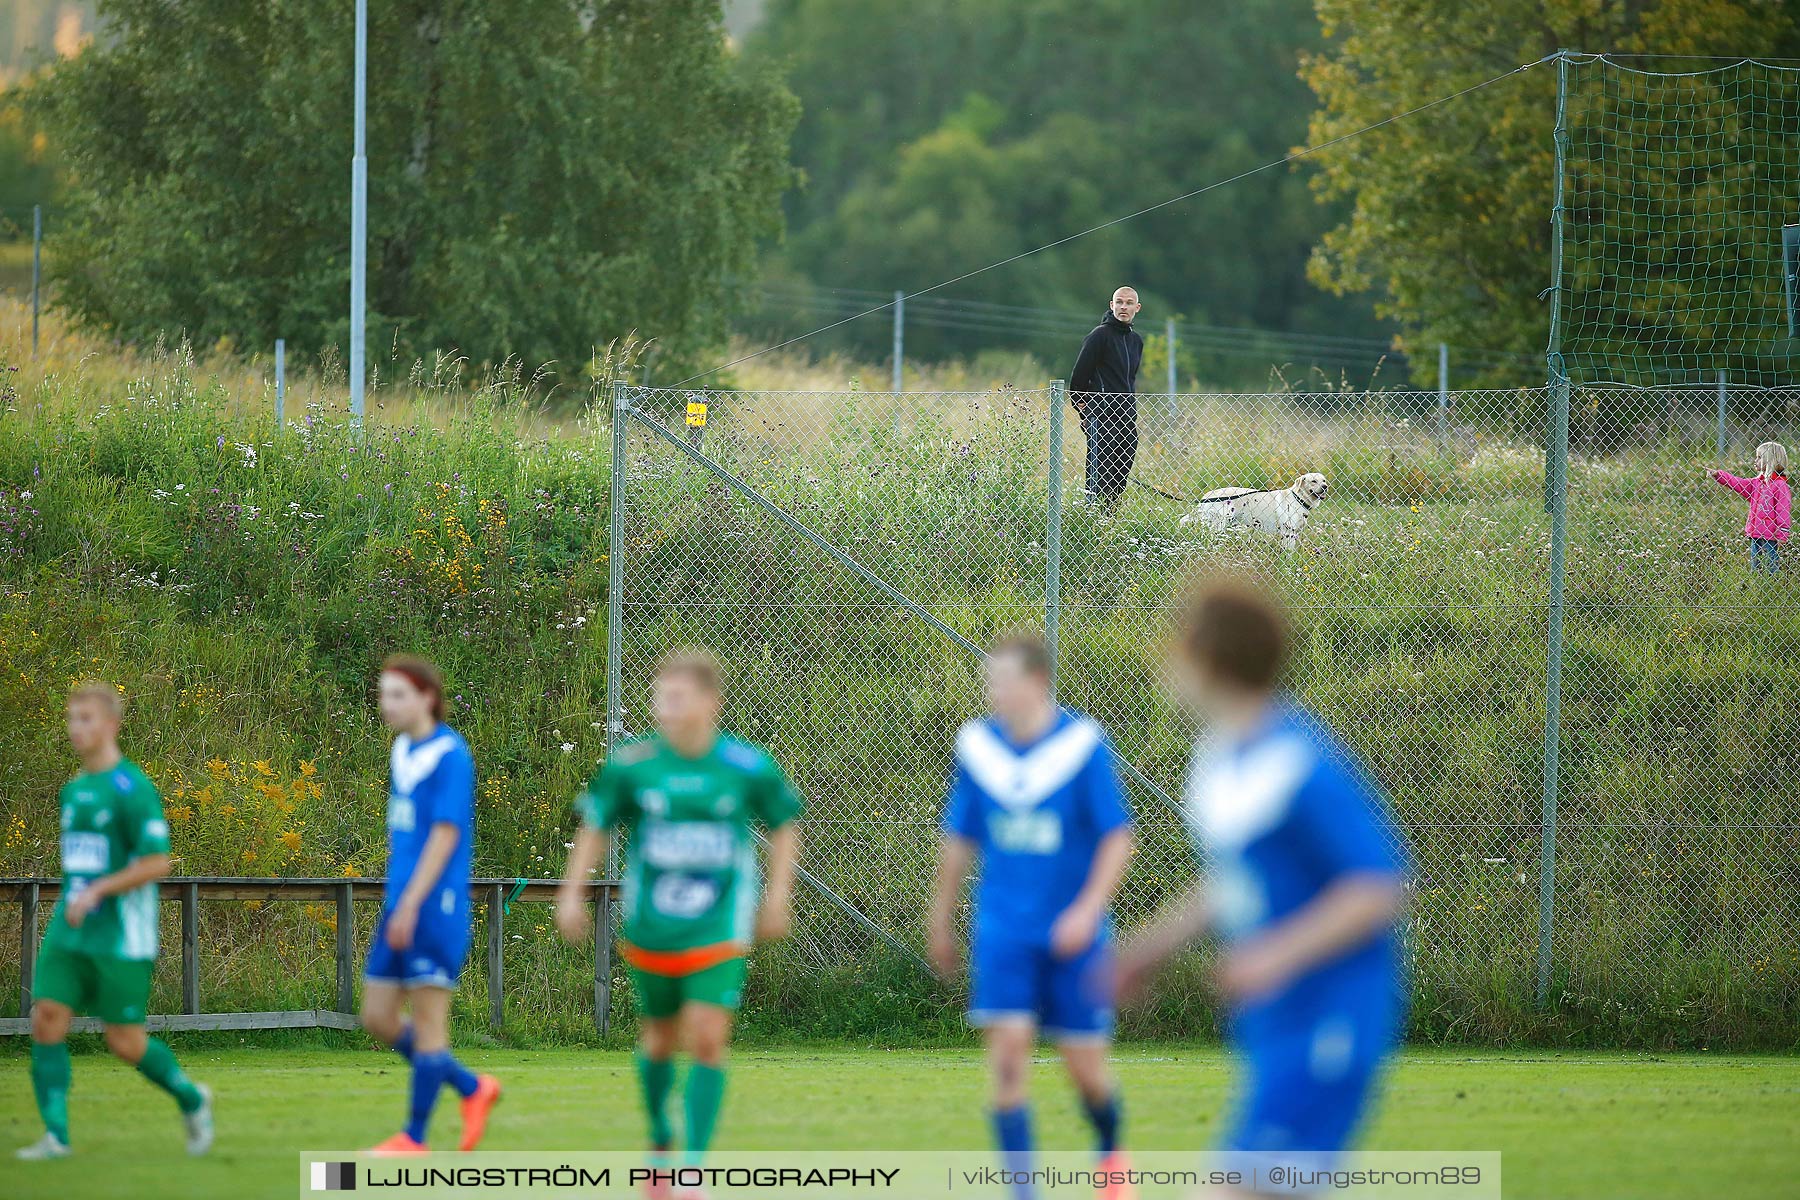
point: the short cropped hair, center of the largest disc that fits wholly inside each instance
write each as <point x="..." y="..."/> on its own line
<point x="423" y="674"/>
<point x="1025" y="647"/>
<point x="1235" y="633"/>
<point x="696" y="663"/>
<point x="106" y="695"/>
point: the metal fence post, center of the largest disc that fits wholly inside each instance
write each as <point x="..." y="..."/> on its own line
<point x="280" y="379"/>
<point x="37" y="260"/>
<point x="1722" y="398"/>
<point x="1169" y="337"/>
<point x="1443" y="395"/>
<point x="899" y="339"/>
<point x="1053" y="532"/>
<point x="615" y="573"/>
<point x="1558" y="503"/>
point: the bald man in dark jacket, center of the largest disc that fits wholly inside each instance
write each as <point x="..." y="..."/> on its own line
<point x="1103" y="389"/>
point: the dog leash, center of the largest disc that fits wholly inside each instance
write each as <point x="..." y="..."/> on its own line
<point x="1151" y="487"/>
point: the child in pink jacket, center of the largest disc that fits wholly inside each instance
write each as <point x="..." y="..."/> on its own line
<point x="1767" y="492"/>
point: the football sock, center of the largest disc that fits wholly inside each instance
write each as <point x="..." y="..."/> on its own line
<point x="701" y="1098"/>
<point x="461" y="1080"/>
<point x="403" y="1045"/>
<point x="50" y="1079"/>
<point x="428" y="1076"/>
<point x="657" y="1075"/>
<point x="1104" y="1117"/>
<point x="159" y="1066"/>
<point x="1012" y="1129"/>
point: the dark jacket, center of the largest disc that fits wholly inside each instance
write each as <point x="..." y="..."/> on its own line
<point x="1109" y="359"/>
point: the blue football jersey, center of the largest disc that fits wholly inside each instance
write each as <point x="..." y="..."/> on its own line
<point x="1037" y="813"/>
<point x="431" y="783"/>
<point x="1283" y="814"/>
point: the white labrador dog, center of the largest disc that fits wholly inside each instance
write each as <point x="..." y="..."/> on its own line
<point x="1280" y="514"/>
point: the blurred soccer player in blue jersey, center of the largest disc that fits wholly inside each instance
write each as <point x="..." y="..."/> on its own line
<point x="1305" y="891"/>
<point x="1036" y="796"/>
<point x="423" y="935"/>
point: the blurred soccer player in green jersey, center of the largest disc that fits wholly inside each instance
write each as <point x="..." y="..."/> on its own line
<point x="688" y="798"/>
<point x="100" y="948"/>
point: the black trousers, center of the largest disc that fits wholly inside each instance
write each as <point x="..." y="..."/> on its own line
<point x="1110" y="423"/>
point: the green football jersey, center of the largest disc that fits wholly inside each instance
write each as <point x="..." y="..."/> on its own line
<point x="690" y="855"/>
<point x="108" y="819"/>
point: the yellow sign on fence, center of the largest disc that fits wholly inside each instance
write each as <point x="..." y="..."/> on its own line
<point x="697" y="414"/>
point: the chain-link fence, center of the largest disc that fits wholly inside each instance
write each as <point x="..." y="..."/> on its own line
<point x="848" y="554"/>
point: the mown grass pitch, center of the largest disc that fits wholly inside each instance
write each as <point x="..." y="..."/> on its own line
<point x="1568" y="1124"/>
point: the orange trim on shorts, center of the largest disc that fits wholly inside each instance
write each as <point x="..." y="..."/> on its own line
<point x="679" y="962"/>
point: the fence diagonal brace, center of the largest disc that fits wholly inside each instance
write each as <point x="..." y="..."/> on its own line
<point x="873" y="580"/>
<point x="780" y="514"/>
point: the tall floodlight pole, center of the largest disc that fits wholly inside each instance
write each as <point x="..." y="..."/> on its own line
<point x="359" y="214"/>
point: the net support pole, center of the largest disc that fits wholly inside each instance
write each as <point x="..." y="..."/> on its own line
<point x="1053" y="532"/>
<point x="1556" y="487"/>
<point x="1722" y="399"/>
<point x="280" y="380"/>
<point x="359" y="215"/>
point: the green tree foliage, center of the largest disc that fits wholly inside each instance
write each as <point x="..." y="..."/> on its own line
<point x="543" y="175"/>
<point x="941" y="135"/>
<point x="27" y="171"/>
<point x="1449" y="224"/>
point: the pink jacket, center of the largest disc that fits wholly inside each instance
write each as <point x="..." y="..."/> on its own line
<point x="1769" y="504"/>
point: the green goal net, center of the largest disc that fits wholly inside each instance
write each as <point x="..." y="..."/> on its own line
<point x="1680" y="191"/>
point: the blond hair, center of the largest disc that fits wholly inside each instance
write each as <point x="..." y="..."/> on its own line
<point x="109" y="696"/>
<point x="1774" y="457"/>
<point x="696" y="663"/>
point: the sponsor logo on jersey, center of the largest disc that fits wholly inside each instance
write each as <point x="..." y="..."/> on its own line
<point x="1028" y="832"/>
<point x="689" y="845"/>
<point x="85" y="853"/>
<point x="401" y="813"/>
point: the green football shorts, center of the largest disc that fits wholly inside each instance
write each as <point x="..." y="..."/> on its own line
<point x="117" y="990"/>
<point x="660" y="996"/>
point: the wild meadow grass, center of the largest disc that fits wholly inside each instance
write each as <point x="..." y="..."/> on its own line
<point x="243" y="581"/>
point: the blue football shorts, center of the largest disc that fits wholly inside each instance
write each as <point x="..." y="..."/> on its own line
<point x="1070" y="999"/>
<point x="435" y="959"/>
<point x="1309" y="1082"/>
